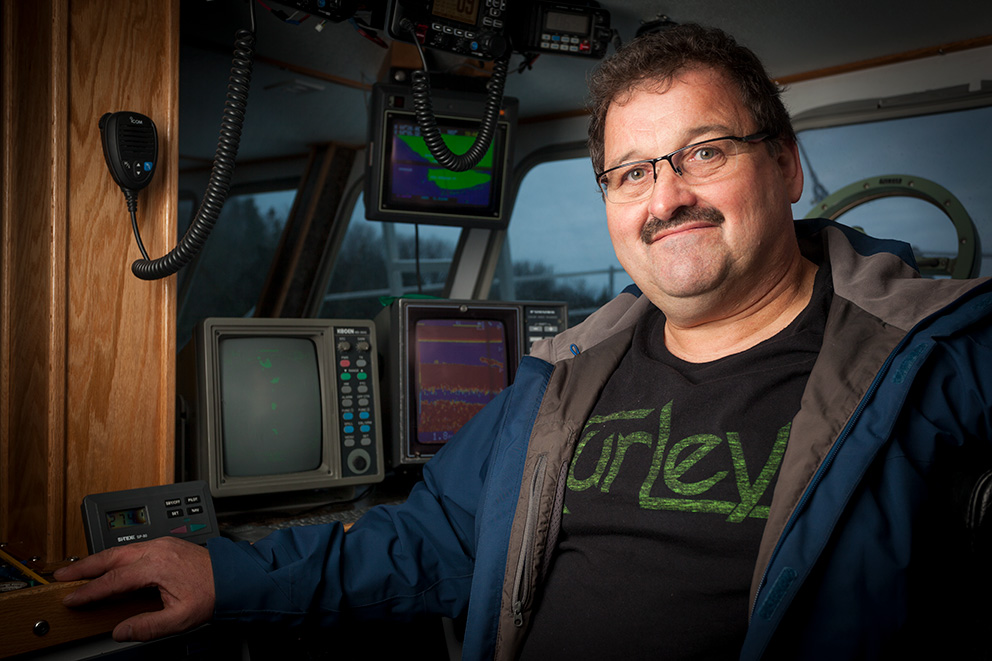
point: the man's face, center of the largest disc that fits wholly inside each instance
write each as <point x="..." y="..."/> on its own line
<point x="707" y="245"/>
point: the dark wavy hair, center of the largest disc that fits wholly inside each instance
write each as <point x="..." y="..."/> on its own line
<point x="654" y="59"/>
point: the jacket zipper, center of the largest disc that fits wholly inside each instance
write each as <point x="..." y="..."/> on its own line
<point x="827" y="461"/>
<point x="910" y="336"/>
<point x="522" y="578"/>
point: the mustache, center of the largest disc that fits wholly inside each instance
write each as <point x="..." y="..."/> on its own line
<point x="681" y="216"/>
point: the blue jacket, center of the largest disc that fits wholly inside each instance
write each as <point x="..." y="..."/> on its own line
<point x="848" y="565"/>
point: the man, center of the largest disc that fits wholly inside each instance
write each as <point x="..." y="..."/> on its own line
<point x="738" y="461"/>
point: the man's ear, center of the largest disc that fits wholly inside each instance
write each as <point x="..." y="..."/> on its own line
<point x="792" y="169"/>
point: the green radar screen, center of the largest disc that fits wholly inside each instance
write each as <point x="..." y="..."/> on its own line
<point x="272" y="407"/>
<point x="416" y="174"/>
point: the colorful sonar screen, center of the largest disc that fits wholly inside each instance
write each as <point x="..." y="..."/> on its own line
<point x="417" y="182"/>
<point x="461" y="365"/>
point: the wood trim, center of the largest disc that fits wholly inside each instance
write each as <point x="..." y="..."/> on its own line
<point x="206" y="164"/>
<point x="6" y="38"/>
<point x="20" y="610"/>
<point x="87" y="393"/>
<point x="917" y="54"/>
<point x="896" y="58"/>
<point x="554" y="116"/>
<point x="121" y="354"/>
<point x="314" y="73"/>
<point x="33" y="307"/>
<point x="58" y="342"/>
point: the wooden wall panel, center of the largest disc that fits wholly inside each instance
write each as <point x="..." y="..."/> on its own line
<point x="32" y="322"/>
<point x="121" y="330"/>
<point x="88" y="349"/>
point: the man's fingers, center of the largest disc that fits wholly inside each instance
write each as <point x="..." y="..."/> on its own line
<point x="112" y="573"/>
<point x="180" y="570"/>
<point x="90" y="566"/>
<point x="149" y="626"/>
<point x="112" y="583"/>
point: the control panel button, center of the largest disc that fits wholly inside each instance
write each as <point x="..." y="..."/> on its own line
<point x="358" y="441"/>
<point x="147" y="513"/>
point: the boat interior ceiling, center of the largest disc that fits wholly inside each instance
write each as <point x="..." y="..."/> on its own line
<point x="312" y="85"/>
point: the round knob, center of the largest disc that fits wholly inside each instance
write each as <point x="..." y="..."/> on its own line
<point x="492" y="43"/>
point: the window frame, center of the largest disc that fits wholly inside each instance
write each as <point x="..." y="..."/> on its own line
<point x="945" y="100"/>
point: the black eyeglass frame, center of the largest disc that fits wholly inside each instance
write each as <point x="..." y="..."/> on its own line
<point x="754" y="138"/>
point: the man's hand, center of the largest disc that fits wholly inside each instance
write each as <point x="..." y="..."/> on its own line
<point x="180" y="570"/>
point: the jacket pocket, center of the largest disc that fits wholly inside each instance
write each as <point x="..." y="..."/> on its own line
<point x="523" y="579"/>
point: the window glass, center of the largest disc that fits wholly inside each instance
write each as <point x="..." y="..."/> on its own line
<point x="185" y="210"/>
<point x="228" y="275"/>
<point x="945" y="148"/>
<point x="558" y="247"/>
<point x="380" y="259"/>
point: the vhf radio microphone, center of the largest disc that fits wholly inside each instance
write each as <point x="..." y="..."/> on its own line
<point x="130" y="147"/>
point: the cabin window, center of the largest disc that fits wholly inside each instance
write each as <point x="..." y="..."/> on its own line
<point x="225" y="280"/>
<point x="944" y="148"/>
<point x="380" y="259"/>
<point x="557" y="245"/>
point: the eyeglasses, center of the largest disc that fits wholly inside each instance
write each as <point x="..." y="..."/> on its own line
<point x="697" y="163"/>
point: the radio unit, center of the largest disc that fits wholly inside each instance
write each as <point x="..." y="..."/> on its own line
<point x="559" y="28"/>
<point x="473" y="28"/>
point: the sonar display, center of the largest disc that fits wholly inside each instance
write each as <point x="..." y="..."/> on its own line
<point x="461" y="365"/>
<point x="416" y="176"/>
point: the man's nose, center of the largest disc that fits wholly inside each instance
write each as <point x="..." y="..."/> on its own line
<point x="670" y="192"/>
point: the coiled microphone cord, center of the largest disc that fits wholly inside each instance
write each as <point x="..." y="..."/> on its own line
<point x="424" y="111"/>
<point x="220" y="174"/>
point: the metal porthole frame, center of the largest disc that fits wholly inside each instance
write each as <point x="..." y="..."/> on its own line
<point x="968" y="262"/>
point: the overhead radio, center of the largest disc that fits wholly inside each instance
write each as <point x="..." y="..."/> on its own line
<point x="473" y="28"/>
<point x="560" y="29"/>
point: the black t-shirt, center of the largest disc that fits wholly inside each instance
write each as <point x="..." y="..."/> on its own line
<point x="667" y="497"/>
